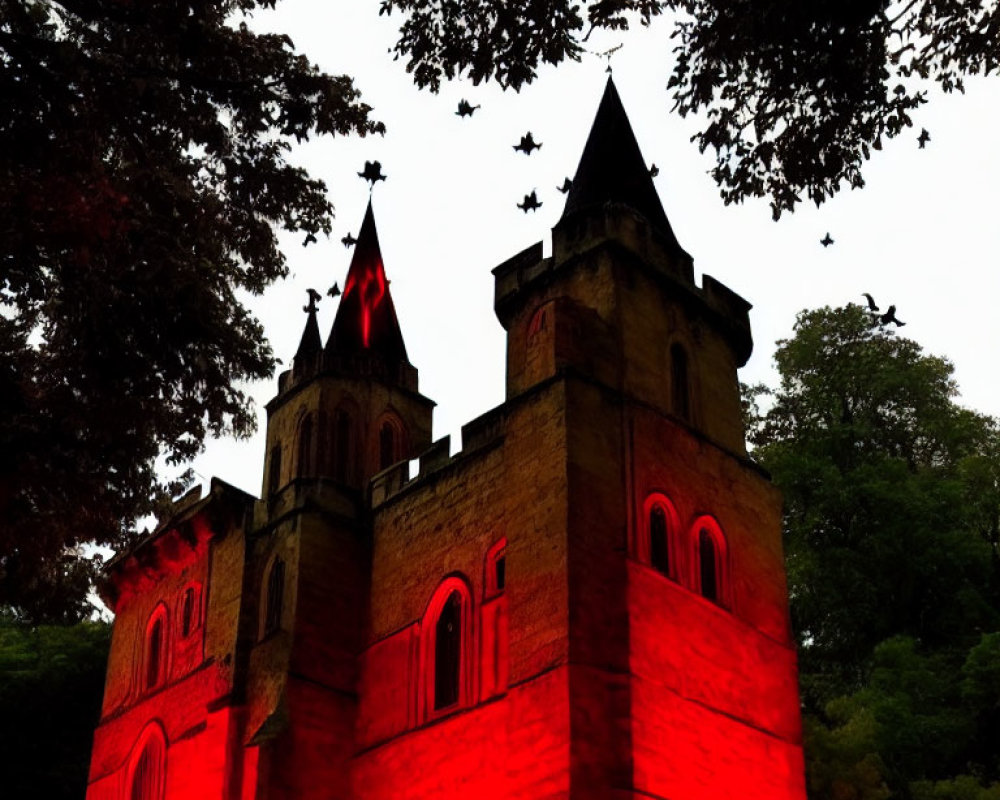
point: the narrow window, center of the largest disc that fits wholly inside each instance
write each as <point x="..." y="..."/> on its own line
<point x="144" y="777"/>
<point x="154" y="654"/>
<point x="342" y="447"/>
<point x="680" y="390"/>
<point x="274" y="471"/>
<point x="447" y="652"/>
<point x="306" y="447"/>
<point x="659" y="550"/>
<point x="147" y="777"/>
<point x="708" y="566"/>
<point x="275" y="596"/>
<point x="501" y="572"/>
<point x="386" y="445"/>
<point x="187" y="612"/>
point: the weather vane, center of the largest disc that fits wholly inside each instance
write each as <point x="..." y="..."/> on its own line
<point x="606" y="54"/>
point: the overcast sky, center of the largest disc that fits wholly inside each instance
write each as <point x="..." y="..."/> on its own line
<point x="922" y="234"/>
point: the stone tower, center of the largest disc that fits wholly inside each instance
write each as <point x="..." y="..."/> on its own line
<point x="586" y="600"/>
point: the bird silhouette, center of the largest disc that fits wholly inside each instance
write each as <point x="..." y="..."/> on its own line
<point x="871" y="301"/>
<point x="372" y="172"/>
<point x="465" y="109"/>
<point x="566" y="186"/>
<point x="527" y="144"/>
<point x="827" y="240"/>
<point x="890" y="316"/>
<point x="349" y="241"/>
<point x="530" y="202"/>
<point x="923" y="138"/>
<point x="334" y="290"/>
<point x="314" y="297"/>
<point x="653" y="170"/>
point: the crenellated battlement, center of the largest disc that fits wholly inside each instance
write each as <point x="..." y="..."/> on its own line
<point x="478" y="436"/>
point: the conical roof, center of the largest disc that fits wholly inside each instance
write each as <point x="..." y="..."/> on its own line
<point x="310" y="344"/>
<point x="612" y="169"/>
<point x="366" y="321"/>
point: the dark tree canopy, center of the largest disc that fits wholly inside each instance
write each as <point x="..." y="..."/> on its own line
<point x="797" y="94"/>
<point x="51" y="684"/>
<point x="142" y="176"/>
<point x="891" y="533"/>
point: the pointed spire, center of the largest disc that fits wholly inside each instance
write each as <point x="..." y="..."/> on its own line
<point x="366" y="321"/>
<point x="612" y="169"/>
<point x="310" y="344"/>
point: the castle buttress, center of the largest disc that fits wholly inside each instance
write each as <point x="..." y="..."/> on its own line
<point x="587" y="600"/>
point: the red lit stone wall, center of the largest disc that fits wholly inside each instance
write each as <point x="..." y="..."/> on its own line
<point x="189" y="706"/>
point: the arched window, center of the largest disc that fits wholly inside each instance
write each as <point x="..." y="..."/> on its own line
<point x="188" y="619"/>
<point x="448" y="653"/>
<point x="446" y="674"/>
<point x="155" y="650"/>
<point x="710" y="561"/>
<point x="274" y="471"/>
<point x="148" y="770"/>
<point x="274" y="596"/>
<point x="659" y="544"/>
<point x="343" y="447"/>
<point x="306" y="463"/>
<point x="707" y="565"/>
<point x="386" y="445"/>
<point x="680" y="389"/>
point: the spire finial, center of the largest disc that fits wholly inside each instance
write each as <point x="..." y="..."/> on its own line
<point x="314" y="298"/>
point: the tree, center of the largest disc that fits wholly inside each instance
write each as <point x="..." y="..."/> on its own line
<point x="892" y="493"/>
<point x="51" y="683"/>
<point x="142" y="175"/>
<point x="796" y="94"/>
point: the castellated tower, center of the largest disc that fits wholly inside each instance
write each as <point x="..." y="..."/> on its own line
<point x="586" y="601"/>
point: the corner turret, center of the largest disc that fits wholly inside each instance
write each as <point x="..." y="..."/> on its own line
<point x="617" y="301"/>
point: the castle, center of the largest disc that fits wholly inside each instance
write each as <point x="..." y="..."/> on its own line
<point x="587" y="600"/>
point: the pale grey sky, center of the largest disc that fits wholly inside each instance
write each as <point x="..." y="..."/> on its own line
<point x="921" y="235"/>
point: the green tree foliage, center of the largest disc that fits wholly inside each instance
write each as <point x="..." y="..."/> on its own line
<point x="142" y="176"/>
<point x="51" y="682"/>
<point x="797" y="94"/>
<point x="891" y="492"/>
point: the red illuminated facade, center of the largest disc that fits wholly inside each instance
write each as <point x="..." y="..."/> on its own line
<point x="586" y="600"/>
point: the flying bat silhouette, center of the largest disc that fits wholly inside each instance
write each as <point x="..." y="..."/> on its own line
<point x="530" y="202"/>
<point x="465" y="109"/>
<point x="310" y="238"/>
<point x="890" y="316"/>
<point x="527" y="144"/>
<point x="826" y="241"/>
<point x="566" y="186"/>
<point x="653" y="171"/>
<point x="871" y="301"/>
<point x="349" y="241"/>
<point x="372" y="172"/>
<point x="314" y="297"/>
<point x="334" y="290"/>
<point x="923" y="138"/>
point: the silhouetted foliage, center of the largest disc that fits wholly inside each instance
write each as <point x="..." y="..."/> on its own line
<point x="797" y="93"/>
<point x="142" y="175"/>
<point x="51" y="682"/>
<point x="892" y="508"/>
